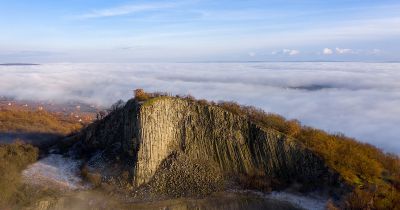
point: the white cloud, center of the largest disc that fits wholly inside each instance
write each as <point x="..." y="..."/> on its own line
<point x="357" y="31"/>
<point x="126" y="10"/>
<point x="290" y="52"/>
<point x="327" y="51"/>
<point x="344" y="51"/>
<point x="319" y="94"/>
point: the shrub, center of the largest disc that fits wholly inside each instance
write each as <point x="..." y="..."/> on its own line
<point x="9" y="181"/>
<point x="203" y="102"/>
<point x="141" y="95"/>
<point x="13" y="159"/>
<point x="359" y="199"/>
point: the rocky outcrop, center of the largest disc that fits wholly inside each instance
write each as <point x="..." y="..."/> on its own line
<point x="148" y="134"/>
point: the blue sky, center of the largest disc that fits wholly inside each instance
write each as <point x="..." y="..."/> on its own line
<point x="198" y="30"/>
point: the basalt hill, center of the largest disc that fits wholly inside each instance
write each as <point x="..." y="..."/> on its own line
<point x="174" y="147"/>
<point x="154" y="139"/>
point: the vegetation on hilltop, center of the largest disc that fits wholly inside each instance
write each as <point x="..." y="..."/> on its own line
<point x="373" y="174"/>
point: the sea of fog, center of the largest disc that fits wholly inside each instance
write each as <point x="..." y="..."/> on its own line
<point x="361" y="100"/>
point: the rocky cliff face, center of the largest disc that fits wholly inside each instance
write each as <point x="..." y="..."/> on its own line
<point x="149" y="134"/>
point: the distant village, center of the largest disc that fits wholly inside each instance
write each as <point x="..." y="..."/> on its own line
<point x="76" y="111"/>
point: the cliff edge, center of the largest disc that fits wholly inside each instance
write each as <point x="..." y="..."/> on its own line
<point x="179" y="146"/>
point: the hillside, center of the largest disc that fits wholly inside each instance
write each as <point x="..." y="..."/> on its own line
<point x="154" y="141"/>
<point x="35" y="127"/>
<point x="26" y="121"/>
<point x="19" y="126"/>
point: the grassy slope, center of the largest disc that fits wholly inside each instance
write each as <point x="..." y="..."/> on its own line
<point x="16" y="156"/>
<point x="35" y="122"/>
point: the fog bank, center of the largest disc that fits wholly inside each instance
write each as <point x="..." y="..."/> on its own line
<point x="361" y="100"/>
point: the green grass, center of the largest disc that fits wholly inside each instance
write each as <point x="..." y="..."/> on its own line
<point x="151" y="101"/>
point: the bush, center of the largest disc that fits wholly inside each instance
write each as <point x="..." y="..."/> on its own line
<point x="9" y="182"/>
<point x="13" y="159"/>
<point x="359" y="199"/>
<point x="373" y="197"/>
<point x="141" y="95"/>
